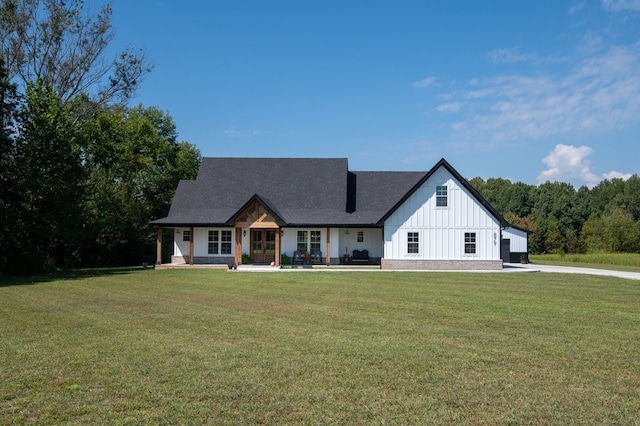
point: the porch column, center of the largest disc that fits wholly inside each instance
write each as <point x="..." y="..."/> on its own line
<point x="328" y="257"/>
<point x="159" y="246"/>
<point x="191" y="246"/>
<point x="277" y="259"/>
<point x="238" y="253"/>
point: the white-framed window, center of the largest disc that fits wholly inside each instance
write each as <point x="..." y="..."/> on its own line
<point x="314" y="244"/>
<point x="302" y="242"/>
<point x="469" y="243"/>
<point x="308" y="241"/>
<point x="219" y="242"/>
<point x="186" y="235"/>
<point x="441" y="196"/>
<point x="361" y="236"/>
<point x="413" y="242"/>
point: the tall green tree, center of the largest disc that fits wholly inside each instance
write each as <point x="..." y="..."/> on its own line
<point x="63" y="45"/>
<point x="49" y="180"/>
<point x="8" y="192"/>
<point x="135" y="163"/>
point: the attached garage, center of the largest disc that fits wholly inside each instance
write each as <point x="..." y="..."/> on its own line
<point x="515" y="244"/>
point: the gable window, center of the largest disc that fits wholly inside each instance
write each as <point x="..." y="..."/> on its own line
<point x="469" y="243"/>
<point x="360" y="236"/>
<point x="219" y="242"/>
<point x="186" y="235"/>
<point x="441" y="196"/>
<point x="413" y="243"/>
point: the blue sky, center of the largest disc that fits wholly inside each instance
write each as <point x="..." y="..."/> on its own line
<point x="529" y="91"/>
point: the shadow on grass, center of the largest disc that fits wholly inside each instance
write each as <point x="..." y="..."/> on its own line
<point x="72" y="274"/>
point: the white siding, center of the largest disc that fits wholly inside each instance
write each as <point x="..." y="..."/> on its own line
<point x="518" y="239"/>
<point x="201" y="242"/>
<point x="442" y="229"/>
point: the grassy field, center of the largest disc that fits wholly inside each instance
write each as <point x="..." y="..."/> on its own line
<point x="629" y="262"/>
<point x="215" y="347"/>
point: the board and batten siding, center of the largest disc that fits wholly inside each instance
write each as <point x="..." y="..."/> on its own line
<point x="442" y="229"/>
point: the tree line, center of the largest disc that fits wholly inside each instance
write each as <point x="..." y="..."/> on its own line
<point x="561" y="219"/>
<point x="81" y="173"/>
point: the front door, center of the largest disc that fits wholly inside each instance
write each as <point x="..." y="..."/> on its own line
<point x="263" y="245"/>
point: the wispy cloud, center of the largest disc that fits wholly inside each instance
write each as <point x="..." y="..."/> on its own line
<point x="450" y="107"/>
<point x="576" y="8"/>
<point x="427" y="82"/>
<point x="510" y="56"/>
<point x="620" y="5"/>
<point x="601" y="92"/>
<point x="233" y="133"/>
<point x="570" y="163"/>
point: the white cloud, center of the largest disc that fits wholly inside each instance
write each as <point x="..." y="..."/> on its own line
<point x="616" y="175"/>
<point x="619" y="5"/>
<point x="427" y="82"/>
<point x="602" y="92"/>
<point x="568" y="163"/>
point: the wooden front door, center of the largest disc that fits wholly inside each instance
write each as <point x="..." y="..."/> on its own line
<point x="263" y="245"/>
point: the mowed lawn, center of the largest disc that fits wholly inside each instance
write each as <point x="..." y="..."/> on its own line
<point x="215" y="347"/>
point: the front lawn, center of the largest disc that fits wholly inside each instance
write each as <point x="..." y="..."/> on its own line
<point x="215" y="347"/>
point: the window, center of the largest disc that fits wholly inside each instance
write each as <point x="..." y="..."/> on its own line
<point x="302" y="241"/>
<point x="441" y="196"/>
<point x="315" y="241"/>
<point x="469" y="243"/>
<point x="308" y="241"/>
<point x="360" y="236"/>
<point x="219" y="242"/>
<point x="214" y="242"/>
<point x="225" y="247"/>
<point x="413" y="243"/>
<point x="186" y="235"/>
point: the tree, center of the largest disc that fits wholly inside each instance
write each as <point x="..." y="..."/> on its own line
<point x="8" y="193"/>
<point x="57" y="42"/>
<point x="135" y="164"/>
<point x="614" y="232"/>
<point x="49" y="180"/>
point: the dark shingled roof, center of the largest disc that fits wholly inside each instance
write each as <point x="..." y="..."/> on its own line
<point x="298" y="191"/>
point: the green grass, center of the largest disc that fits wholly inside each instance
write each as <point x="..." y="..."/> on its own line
<point x="629" y="262"/>
<point x="214" y="347"/>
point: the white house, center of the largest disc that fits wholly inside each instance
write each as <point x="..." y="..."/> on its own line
<point x="317" y="211"/>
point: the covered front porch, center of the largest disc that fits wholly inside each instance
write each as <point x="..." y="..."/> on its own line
<point x="246" y="244"/>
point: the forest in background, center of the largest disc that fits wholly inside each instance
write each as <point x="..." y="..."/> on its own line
<point x="561" y="219"/>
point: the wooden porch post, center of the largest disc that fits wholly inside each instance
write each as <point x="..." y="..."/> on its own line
<point x="191" y="246"/>
<point x="277" y="259"/>
<point x="238" y="254"/>
<point x="159" y="246"/>
<point x="328" y="259"/>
